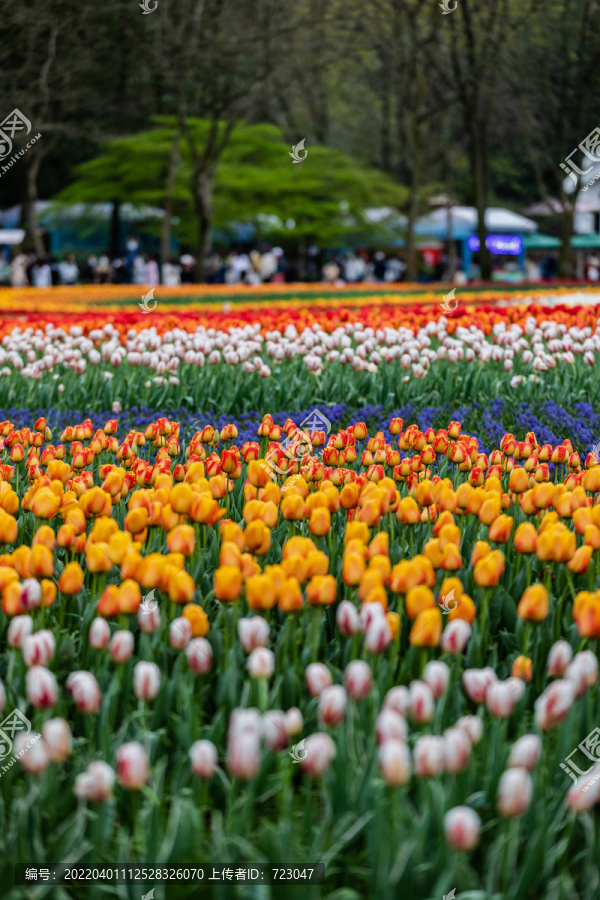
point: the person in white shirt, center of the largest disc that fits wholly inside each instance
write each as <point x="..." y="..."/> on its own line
<point x="68" y="270"/>
<point x="42" y="274"/>
<point x="152" y="273"/>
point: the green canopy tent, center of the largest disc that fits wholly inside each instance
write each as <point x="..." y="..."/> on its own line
<point x="579" y="243"/>
<point x="585" y="241"/>
<point x="540" y="242"/>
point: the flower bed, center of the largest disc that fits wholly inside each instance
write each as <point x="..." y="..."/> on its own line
<point x="290" y="642"/>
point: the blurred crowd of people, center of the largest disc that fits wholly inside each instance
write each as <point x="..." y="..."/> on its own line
<point x="238" y="266"/>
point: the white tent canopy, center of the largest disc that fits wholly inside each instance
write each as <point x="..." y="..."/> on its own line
<point x="464" y="222"/>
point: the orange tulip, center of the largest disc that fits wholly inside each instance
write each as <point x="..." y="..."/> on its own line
<point x="353" y="567"/>
<point x="130" y="596"/>
<point x="581" y="559"/>
<point x="290" y="596"/>
<point x="260" y="592"/>
<point x="258" y="537"/>
<point x="321" y="590"/>
<point x="427" y="628"/>
<point x="488" y="571"/>
<point x="182" y="539"/>
<point x="320" y="521"/>
<point x="317" y="563"/>
<point x="48" y="592"/>
<point x="534" y="604"/>
<point x="197" y="618"/>
<point x="71" y="579"/>
<point x="417" y="599"/>
<point x="500" y="529"/>
<point x="41" y="563"/>
<point x="227" y="583"/>
<point x="108" y="604"/>
<point x="522" y="668"/>
<point x="179" y="584"/>
<point x="44" y="535"/>
<point x="393" y="620"/>
<point x="525" y="539"/>
<point x="465" y="609"/>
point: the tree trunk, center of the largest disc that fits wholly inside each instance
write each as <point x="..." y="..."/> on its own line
<point x="203" y="202"/>
<point x="115" y="229"/>
<point x="479" y="156"/>
<point x="566" y="233"/>
<point x="165" y="230"/>
<point x="29" y="219"/>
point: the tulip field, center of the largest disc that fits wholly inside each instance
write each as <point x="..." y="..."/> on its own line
<point x="297" y="581"/>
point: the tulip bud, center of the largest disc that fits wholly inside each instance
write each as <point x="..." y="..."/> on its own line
<point x="422" y="706"/>
<point x="41" y="687"/>
<point x="554" y="704"/>
<point x="243" y="755"/>
<point x="96" y="783"/>
<point x="320" y="752"/>
<point x="398" y="699"/>
<point x="585" y="793"/>
<point x="332" y="705"/>
<point x="358" y="680"/>
<point x="503" y="696"/>
<point x="525" y="752"/>
<point x="473" y="728"/>
<point x="394" y="762"/>
<point x="514" y="793"/>
<point x="2" y="697"/>
<point x="99" y="633"/>
<point x="428" y="755"/>
<point x="477" y="681"/>
<point x="456" y="636"/>
<point x="588" y="661"/>
<point x="437" y="674"/>
<point x="149" y="620"/>
<point x="146" y="680"/>
<point x="576" y="675"/>
<point x="38" y="649"/>
<point x="85" y="691"/>
<point x="261" y="663"/>
<point x="273" y="730"/>
<point x="559" y="657"/>
<point x="203" y="757"/>
<point x="20" y="627"/>
<point x="371" y="612"/>
<point x="293" y="721"/>
<point x="457" y="750"/>
<point x="180" y="633"/>
<point x="348" y="619"/>
<point x="199" y="656"/>
<point x="121" y="646"/>
<point x="132" y="766"/>
<point x="462" y="826"/>
<point x="390" y="726"/>
<point x="378" y="635"/>
<point x="31" y="593"/>
<point x="57" y="735"/>
<point x="317" y="677"/>
<point x="253" y="632"/>
<point x="32" y="752"/>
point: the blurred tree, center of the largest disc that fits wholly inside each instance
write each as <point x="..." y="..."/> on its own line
<point x="325" y="196"/>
